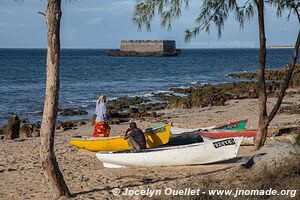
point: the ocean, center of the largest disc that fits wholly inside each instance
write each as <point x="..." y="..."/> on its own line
<point x="87" y="73"/>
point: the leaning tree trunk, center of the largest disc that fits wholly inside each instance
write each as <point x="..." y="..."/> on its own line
<point x="287" y="79"/>
<point x="289" y="73"/>
<point x="48" y="159"/>
<point x="262" y="127"/>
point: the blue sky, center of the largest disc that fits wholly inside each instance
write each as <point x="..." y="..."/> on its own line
<point x="102" y="24"/>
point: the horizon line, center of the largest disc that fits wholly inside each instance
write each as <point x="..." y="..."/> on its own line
<point x="94" y="48"/>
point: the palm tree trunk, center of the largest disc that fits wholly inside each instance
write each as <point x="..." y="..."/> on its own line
<point x="48" y="159"/>
<point x="262" y="127"/>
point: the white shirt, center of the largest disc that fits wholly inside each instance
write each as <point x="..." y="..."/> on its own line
<point x="101" y="113"/>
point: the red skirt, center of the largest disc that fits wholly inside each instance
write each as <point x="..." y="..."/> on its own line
<point x="101" y="129"/>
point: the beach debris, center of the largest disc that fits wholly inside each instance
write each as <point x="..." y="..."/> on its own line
<point x="35" y="133"/>
<point x="251" y="161"/>
<point x="12" y="128"/>
<point x="25" y="131"/>
<point x="288" y="130"/>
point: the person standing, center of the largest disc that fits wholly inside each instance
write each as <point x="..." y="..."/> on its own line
<point x="135" y="137"/>
<point x="102" y="128"/>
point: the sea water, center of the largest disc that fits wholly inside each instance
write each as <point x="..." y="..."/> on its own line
<point x="87" y="73"/>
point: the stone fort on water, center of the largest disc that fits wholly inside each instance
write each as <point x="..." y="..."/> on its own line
<point x="146" y="48"/>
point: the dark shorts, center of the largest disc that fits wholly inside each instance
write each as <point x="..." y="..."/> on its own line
<point x="133" y="143"/>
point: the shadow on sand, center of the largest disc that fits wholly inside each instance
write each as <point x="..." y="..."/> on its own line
<point x="148" y="181"/>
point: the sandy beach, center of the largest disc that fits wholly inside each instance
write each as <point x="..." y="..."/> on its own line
<point x="72" y="71"/>
<point x="21" y="176"/>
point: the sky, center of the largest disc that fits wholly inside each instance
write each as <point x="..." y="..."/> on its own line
<point x="103" y="24"/>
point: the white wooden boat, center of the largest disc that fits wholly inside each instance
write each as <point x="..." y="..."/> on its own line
<point x="192" y="154"/>
<point x="236" y="125"/>
<point x="246" y="141"/>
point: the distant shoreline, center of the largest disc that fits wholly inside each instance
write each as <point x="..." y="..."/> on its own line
<point x="280" y="47"/>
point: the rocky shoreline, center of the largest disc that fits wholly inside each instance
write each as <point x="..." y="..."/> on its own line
<point x="273" y="75"/>
<point x="141" y="108"/>
<point x="22" y="176"/>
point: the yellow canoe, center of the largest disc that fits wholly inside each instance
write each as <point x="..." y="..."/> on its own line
<point x="155" y="137"/>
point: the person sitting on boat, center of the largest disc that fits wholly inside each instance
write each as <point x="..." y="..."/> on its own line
<point x="135" y="136"/>
<point x="102" y="128"/>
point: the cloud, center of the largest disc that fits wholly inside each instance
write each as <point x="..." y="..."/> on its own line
<point x="94" y="21"/>
<point x="2" y="23"/>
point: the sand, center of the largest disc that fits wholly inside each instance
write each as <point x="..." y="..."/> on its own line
<point x="21" y="176"/>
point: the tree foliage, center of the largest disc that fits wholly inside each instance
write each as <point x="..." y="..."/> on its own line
<point x="292" y="6"/>
<point x="211" y="12"/>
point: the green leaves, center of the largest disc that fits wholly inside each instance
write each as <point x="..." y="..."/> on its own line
<point x="244" y="12"/>
<point x="216" y="12"/>
<point x="292" y="6"/>
<point x="169" y="10"/>
<point x="212" y="12"/>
